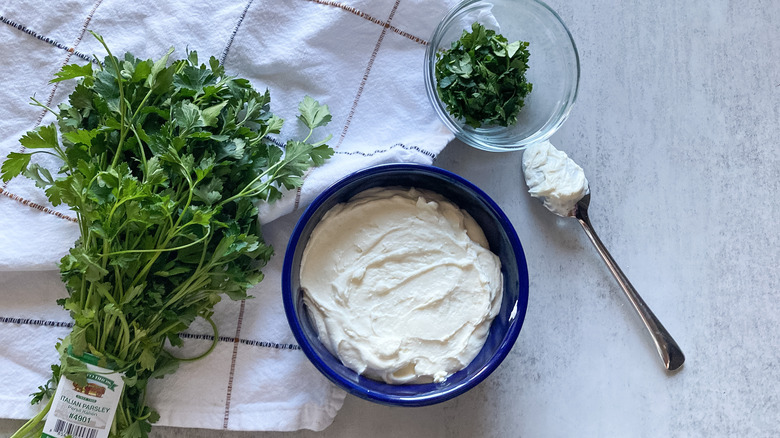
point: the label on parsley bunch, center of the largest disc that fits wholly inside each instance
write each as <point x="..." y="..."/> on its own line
<point x="85" y="411"/>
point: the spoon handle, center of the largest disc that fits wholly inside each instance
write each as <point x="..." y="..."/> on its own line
<point x="670" y="352"/>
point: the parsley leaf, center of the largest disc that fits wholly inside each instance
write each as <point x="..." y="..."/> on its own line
<point x="72" y="71"/>
<point x="14" y="165"/>
<point x="41" y="137"/>
<point x="312" y="113"/>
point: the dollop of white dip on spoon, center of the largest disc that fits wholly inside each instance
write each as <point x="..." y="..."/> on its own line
<point x="554" y="178"/>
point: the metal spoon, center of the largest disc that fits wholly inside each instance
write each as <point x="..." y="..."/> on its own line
<point x="670" y="352"/>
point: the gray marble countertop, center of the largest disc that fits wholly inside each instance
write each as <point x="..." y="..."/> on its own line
<point x="677" y="126"/>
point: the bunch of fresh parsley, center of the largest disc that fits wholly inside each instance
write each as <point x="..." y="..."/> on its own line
<point x="481" y="77"/>
<point x="163" y="164"/>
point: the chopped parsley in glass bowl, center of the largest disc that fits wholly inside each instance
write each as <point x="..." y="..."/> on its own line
<point x="484" y="112"/>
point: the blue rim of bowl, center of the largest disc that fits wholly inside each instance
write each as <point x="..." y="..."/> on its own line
<point x="451" y="123"/>
<point x="498" y="357"/>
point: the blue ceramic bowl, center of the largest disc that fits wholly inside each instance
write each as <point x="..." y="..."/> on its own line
<point x="503" y="242"/>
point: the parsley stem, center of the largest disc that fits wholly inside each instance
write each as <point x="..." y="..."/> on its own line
<point x="107" y="327"/>
<point x="107" y="296"/>
<point x="34" y="426"/>
<point x="44" y="106"/>
<point x="214" y="342"/>
<point x="134" y="251"/>
<point x="246" y="191"/>
<point x="125" y="331"/>
<point x="311" y="131"/>
<point x="140" y="144"/>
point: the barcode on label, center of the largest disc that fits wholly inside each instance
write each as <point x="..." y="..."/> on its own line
<point x="64" y="428"/>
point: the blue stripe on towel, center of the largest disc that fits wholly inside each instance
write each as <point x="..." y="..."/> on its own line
<point x="65" y="324"/>
<point x="46" y="39"/>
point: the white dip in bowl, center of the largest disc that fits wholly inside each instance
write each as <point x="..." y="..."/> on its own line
<point x="401" y="285"/>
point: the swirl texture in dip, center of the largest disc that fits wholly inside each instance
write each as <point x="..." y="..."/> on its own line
<point x="401" y="285"/>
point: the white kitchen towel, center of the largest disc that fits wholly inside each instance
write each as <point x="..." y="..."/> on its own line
<point x="362" y="58"/>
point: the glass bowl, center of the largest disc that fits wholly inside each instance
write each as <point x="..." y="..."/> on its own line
<point x="553" y="69"/>
<point x="503" y="241"/>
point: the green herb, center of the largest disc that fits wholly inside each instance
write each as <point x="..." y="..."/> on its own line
<point x="163" y="163"/>
<point x="481" y="78"/>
